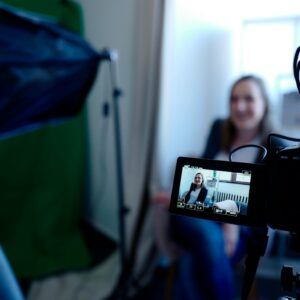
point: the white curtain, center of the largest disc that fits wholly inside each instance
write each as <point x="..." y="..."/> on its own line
<point x="143" y="126"/>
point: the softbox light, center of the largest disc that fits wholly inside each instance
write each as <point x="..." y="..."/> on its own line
<point x="46" y="72"/>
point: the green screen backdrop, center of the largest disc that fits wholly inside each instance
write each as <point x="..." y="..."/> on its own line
<point x="42" y="181"/>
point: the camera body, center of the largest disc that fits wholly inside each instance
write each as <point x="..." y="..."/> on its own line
<point x="283" y="197"/>
<point x="259" y="195"/>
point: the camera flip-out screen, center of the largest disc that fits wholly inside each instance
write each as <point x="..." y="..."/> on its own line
<point x="218" y="190"/>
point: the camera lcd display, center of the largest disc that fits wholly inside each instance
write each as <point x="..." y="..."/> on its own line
<point x="226" y="192"/>
<point x="218" y="190"/>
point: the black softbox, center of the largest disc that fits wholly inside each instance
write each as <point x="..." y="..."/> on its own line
<point x="45" y="72"/>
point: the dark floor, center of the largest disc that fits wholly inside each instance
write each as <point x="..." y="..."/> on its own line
<point x="267" y="284"/>
<point x="265" y="289"/>
<point x="270" y="289"/>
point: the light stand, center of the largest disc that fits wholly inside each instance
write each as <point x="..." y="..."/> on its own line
<point x="111" y="56"/>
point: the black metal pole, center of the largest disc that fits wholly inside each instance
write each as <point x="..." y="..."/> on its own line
<point x="111" y="56"/>
<point x="256" y="249"/>
<point x="116" y="93"/>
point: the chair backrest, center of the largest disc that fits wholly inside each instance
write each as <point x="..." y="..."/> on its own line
<point x="9" y="287"/>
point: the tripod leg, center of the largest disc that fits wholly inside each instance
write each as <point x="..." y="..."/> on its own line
<point x="256" y="249"/>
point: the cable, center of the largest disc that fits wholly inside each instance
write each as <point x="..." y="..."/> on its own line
<point x="296" y="68"/>
<point x="264" y="151"/>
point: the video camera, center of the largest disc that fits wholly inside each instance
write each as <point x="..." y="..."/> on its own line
<point x="266" y="193"/>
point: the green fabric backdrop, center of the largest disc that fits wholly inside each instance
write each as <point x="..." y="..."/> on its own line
<point x="42" y="182"/>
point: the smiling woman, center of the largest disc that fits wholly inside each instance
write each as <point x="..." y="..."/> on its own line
<point x="197" y="191"/>
<point x="210" y="272"/>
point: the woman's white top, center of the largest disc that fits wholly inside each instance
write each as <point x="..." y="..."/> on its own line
<point x="194" y="195"/>
<point x="248" y="155"/>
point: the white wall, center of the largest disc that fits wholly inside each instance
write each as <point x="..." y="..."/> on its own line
<point x="198" y="69"/>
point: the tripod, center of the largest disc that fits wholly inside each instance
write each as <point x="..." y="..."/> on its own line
<point x="256" y="249"/>
<point x="288" y="279"/>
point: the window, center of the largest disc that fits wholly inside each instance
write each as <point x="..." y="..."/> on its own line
<point x="268" y="48"/>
